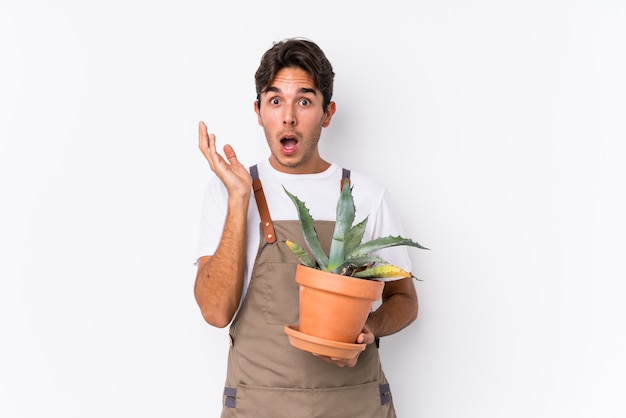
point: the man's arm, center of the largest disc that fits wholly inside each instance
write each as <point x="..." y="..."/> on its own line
<point x="220" y="277"/>
<point x="219" y="280"/>
<point x="398" y="310"/>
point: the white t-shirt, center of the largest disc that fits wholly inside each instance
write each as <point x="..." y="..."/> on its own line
<point x="319" y="192"/>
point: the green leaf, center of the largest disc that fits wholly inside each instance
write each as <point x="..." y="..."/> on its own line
<point x="349" y="266"/>
<point x="302" y="255"/>
<point x="309" y="232"/>
<point x="343" y="223"/>
<point x="355" y="236"/>
<point x="384" y="272"/>
<point x="365" y="260"/>
<point x="383" y="242"/>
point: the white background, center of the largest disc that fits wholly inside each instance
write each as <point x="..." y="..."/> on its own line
<point x="497" y="126"/>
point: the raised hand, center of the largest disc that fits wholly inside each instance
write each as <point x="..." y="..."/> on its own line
<point x="230" y="171"/>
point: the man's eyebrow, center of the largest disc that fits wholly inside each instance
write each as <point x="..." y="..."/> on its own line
<point x="302" y="90"/>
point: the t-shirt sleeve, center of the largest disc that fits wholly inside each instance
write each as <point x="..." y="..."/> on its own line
<point x="387" y="223"/>
<point x="212" y="217"/>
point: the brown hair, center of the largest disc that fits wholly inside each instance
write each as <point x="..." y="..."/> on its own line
<point x="296" y="53"/>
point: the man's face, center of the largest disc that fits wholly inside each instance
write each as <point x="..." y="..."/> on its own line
<point x="292" y="118"/>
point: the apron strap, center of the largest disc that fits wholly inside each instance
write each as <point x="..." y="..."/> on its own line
<point x="261" y="202"/>
<point x="345" y="177"/>
<point x="259" y="196"/>
<point x="230" y="397"/>
<point x="385" y="393"/>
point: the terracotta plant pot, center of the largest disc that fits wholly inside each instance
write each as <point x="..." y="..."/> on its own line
<point x="334" y="307"/>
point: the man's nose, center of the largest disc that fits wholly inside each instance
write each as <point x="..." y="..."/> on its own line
<point x="289" y="118"/>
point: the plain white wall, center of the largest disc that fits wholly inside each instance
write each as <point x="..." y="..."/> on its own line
<point x="496" y="125"/>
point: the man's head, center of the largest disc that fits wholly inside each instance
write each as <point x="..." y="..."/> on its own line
<point x="296" y="53"/>
<point x="294" y="88"/>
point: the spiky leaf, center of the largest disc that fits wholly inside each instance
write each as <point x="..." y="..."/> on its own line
<point x="383" y="242"/>
<point x="348" y="267"/>
<point x="383" y="272"/>
<point x="302" y="255"/>
<point x="343" y="223"/>
<point x="355" y="236"/>
<point x="309" y="232"/>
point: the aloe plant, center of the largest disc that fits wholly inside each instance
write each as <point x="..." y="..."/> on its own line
<point x="348" y="255"/>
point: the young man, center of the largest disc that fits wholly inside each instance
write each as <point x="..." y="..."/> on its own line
<point x="246" y="273"/>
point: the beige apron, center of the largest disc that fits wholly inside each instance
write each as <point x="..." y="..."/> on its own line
<point x="269" y="378"/>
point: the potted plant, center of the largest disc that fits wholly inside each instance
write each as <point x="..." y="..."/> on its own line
<point x="338" y="289"/>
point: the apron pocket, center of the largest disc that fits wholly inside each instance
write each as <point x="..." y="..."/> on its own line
<point x="280" y="294"/>
<point x="362" y="401"/>
<point x="267" y="402"/>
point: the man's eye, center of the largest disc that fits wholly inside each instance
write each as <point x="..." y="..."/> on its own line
<point x="305" y="102"/>
<point x="274" y="101"/>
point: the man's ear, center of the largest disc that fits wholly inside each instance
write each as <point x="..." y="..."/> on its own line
<point x="330" y="111"/>
<point x="257" y="110"/>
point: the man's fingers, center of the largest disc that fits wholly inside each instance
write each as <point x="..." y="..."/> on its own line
<point x="206" y="141"/>
<point x="229" y="152"/>
<point x="339" y="362"/>
<point x="203" y="136"/>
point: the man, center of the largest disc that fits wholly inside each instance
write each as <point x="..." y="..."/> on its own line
<point x="245" y="274"/>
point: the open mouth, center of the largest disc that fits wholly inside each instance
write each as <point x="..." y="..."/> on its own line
<point x="289" y="144"/>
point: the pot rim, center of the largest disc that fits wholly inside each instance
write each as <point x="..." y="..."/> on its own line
<point x="337" y="283"/>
